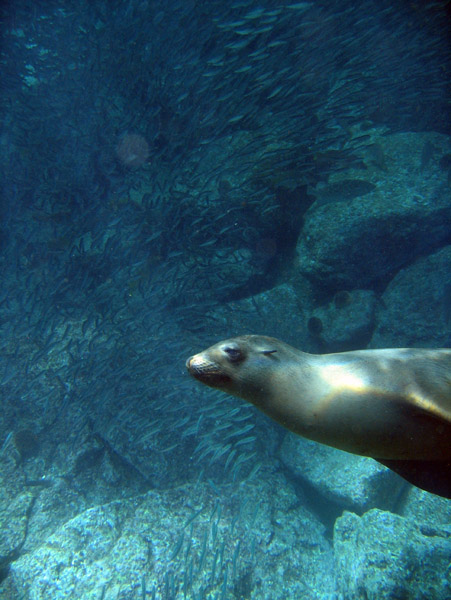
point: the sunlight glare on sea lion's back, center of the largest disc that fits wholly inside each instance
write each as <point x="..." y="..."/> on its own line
<point x="338" y="376"/>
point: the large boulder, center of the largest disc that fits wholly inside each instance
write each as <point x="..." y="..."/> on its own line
<point x="361" y="239"/>
<point x="345" y="323"/>
<point x="416" y="306"/>
<point x="281" y="312"/>
<point x="382" y="556"/>
<point x="426" y="508"/>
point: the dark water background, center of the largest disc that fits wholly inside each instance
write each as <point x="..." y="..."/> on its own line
<point x="177" y="172"/>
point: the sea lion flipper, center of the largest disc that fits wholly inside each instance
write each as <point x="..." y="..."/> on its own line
<point x="430" y="475"/>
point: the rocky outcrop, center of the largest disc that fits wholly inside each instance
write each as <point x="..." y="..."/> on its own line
<point x="354" y="241"/>
<point x="382" y="556"/>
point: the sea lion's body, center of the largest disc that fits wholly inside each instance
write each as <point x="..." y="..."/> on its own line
<point x="391" y="405"/>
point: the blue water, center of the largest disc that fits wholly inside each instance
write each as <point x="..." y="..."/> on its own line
<point x="175" y="173"/>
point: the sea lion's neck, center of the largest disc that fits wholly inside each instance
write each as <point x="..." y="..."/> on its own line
<point x="290" y="394"/>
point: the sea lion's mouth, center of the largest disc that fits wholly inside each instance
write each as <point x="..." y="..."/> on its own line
<point x="206" y="371"/>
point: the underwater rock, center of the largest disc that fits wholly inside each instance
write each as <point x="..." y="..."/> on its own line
<point x="315" y="326"/>
<point x="16" y="501"/>
<point x="343" y="190"/>
<point x="75" y="561"/>
<point x="426" y="508"/>
<point x="362" y="242"/>
<point x="416" y="305"/>
<point x="445" y="162"/>
<point x="382" y="556"/>
<point x="26" y="443"/>
<point x="267" y="312"/>
<point x="353" y="482"/>
<point x="347" y="321"/>
<point x="342" y="299"/>
<point x="53" y="506"/>
<point x="183" y="541"/>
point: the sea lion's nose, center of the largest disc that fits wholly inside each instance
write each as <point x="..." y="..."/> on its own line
<point x="188" y="362"/>
<point x="196" y="365"/>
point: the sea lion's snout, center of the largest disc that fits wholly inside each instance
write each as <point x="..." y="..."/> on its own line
<point x="205" y="370"/>
<point x="196" y="364"/>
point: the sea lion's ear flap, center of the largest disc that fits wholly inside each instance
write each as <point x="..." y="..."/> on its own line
<point x="268" y="351"/>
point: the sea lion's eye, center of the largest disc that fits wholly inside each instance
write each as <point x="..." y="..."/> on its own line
<point x="234" y="354"/>
<point x="266" y="352"/>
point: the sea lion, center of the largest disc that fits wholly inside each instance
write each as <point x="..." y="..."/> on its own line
<point x="393" y="405"/>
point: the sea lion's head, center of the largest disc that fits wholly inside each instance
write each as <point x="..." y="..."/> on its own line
<point x="243" y="366"/>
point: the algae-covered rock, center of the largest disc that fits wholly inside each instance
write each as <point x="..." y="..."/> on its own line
<point x="382" y="556"/>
